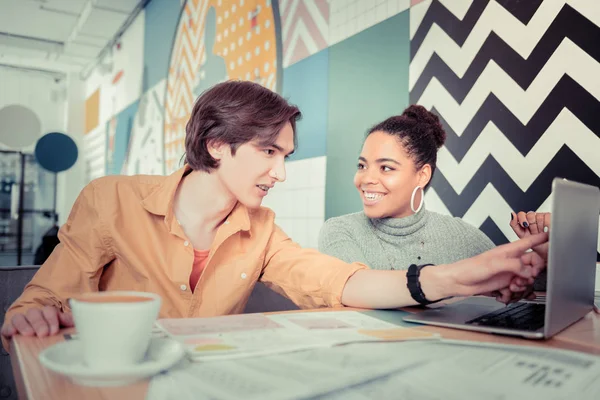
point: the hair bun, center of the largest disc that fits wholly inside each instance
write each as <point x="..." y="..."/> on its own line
<point x="430" y="123"/>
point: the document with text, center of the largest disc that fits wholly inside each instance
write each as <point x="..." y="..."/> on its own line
<point x="468" y="370"/>
<point x="248" y="335"/>
<point x="413" y="370"/>
<point x="298" y="375"/>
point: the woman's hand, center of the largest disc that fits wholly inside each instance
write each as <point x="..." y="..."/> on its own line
<point x="525" y="225"/>
<point x="531" y="223"/>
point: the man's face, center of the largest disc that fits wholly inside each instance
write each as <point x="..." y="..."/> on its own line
<point x="255" y="168"/>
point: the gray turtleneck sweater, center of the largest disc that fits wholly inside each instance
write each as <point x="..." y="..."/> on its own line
<point x="395" y="243"/>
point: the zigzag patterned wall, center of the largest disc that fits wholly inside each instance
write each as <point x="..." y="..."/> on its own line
<point x="516" y="84"/>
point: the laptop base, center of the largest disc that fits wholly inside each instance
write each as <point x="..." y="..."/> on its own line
<point x="457" y="314"/>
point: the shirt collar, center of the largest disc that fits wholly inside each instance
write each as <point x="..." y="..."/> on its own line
<point x="160" y="201"/>
<point x="239" y="218"/>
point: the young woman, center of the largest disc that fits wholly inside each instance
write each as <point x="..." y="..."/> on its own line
<point x="396" y="164"/>
<point x="394" y="230"/>
<point x="200" y="239"/>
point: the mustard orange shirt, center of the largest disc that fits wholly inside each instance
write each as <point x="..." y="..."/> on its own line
<point x="122" y="235"/>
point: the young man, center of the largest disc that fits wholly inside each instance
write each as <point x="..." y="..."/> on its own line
<point x="200" y="239"/>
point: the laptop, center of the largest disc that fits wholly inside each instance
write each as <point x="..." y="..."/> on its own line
<point x="571" y="276"/>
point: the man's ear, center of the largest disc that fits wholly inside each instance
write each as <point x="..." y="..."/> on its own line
<point x="217" y="149"/>
<point x="424" y="175"/>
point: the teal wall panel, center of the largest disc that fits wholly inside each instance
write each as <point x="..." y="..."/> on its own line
<point x="368" y="82"/>
<point x="161" y="18"/>
<point x="305" y="85"/>
<point x="119" y="133"/>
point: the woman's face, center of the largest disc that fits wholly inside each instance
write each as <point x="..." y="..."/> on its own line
<point x="387" y="176"/>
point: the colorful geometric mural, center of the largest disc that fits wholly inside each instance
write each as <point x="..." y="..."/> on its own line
<point x="119" y="130"/>
<point x="216" y="41"/>
<point x="305" y="28"/>
<point x="92" y="111"/>
<point x="146" y="148"/>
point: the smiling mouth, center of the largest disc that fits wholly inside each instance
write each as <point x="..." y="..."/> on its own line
<point x="264" y="188"/>
<point x="373" y="197"/>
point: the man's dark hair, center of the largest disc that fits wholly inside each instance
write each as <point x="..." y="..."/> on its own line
<point x="234" y="113"/>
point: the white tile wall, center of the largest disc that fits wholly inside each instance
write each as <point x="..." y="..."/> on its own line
<point x="299" y="202"/>
<point x="348" y="17"/>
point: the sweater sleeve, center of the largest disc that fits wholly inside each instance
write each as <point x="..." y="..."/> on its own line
<point x="336" y="239"/>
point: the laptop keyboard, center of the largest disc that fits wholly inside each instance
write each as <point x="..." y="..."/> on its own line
<point x="521" y="316"/>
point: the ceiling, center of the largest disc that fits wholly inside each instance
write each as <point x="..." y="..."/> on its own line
<point x="61" y="35"/>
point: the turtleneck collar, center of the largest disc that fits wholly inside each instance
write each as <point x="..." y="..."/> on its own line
<point x="400" y="226"/>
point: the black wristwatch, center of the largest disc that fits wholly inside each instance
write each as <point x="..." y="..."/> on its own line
<point x="414" y="285"/>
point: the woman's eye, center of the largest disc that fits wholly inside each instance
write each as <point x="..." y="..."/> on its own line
<point x="386" y="169"/>
<point x="360" y="166"/>
<point x="269" y="152"/>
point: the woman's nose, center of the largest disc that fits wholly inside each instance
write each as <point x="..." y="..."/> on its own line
<point x="369" y="177"/>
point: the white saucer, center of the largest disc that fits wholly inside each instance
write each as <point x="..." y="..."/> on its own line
<point x="66" y="358"/>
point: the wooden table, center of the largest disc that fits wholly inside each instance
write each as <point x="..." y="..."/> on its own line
<point x="36" y="382"/>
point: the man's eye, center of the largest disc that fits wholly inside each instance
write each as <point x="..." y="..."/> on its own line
<point x="269" y="152"/>
<point x="360" y="166"/>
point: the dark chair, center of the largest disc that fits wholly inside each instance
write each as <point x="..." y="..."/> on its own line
<point x="12" y="282"/>
<point x="264" y="299"/>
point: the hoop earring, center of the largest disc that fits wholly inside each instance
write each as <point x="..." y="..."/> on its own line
<point x="412" y="199"/>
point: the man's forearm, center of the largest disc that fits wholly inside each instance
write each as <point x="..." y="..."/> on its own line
<point x="387" y="289"/>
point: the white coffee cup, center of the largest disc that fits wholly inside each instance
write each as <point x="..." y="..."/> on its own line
<point x="115" y="327"/>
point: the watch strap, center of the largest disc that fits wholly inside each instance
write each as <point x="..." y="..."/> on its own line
<point x="414" y="285"/>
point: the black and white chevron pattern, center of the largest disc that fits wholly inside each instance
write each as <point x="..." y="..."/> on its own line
<point x="517" y="87"/>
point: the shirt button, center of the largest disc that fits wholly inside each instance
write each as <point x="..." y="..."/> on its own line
<point x="183" y="287"/>
<point x="186" y="243"/>
<point x="244" y="275"/>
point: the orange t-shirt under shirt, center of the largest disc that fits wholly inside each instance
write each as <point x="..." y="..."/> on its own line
<point x="200" y="259"/>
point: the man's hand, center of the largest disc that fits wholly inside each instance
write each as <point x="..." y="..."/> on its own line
<point x="520" y="288"/>
<point x="495" y="269"/>
<point x="40" y="322"/>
